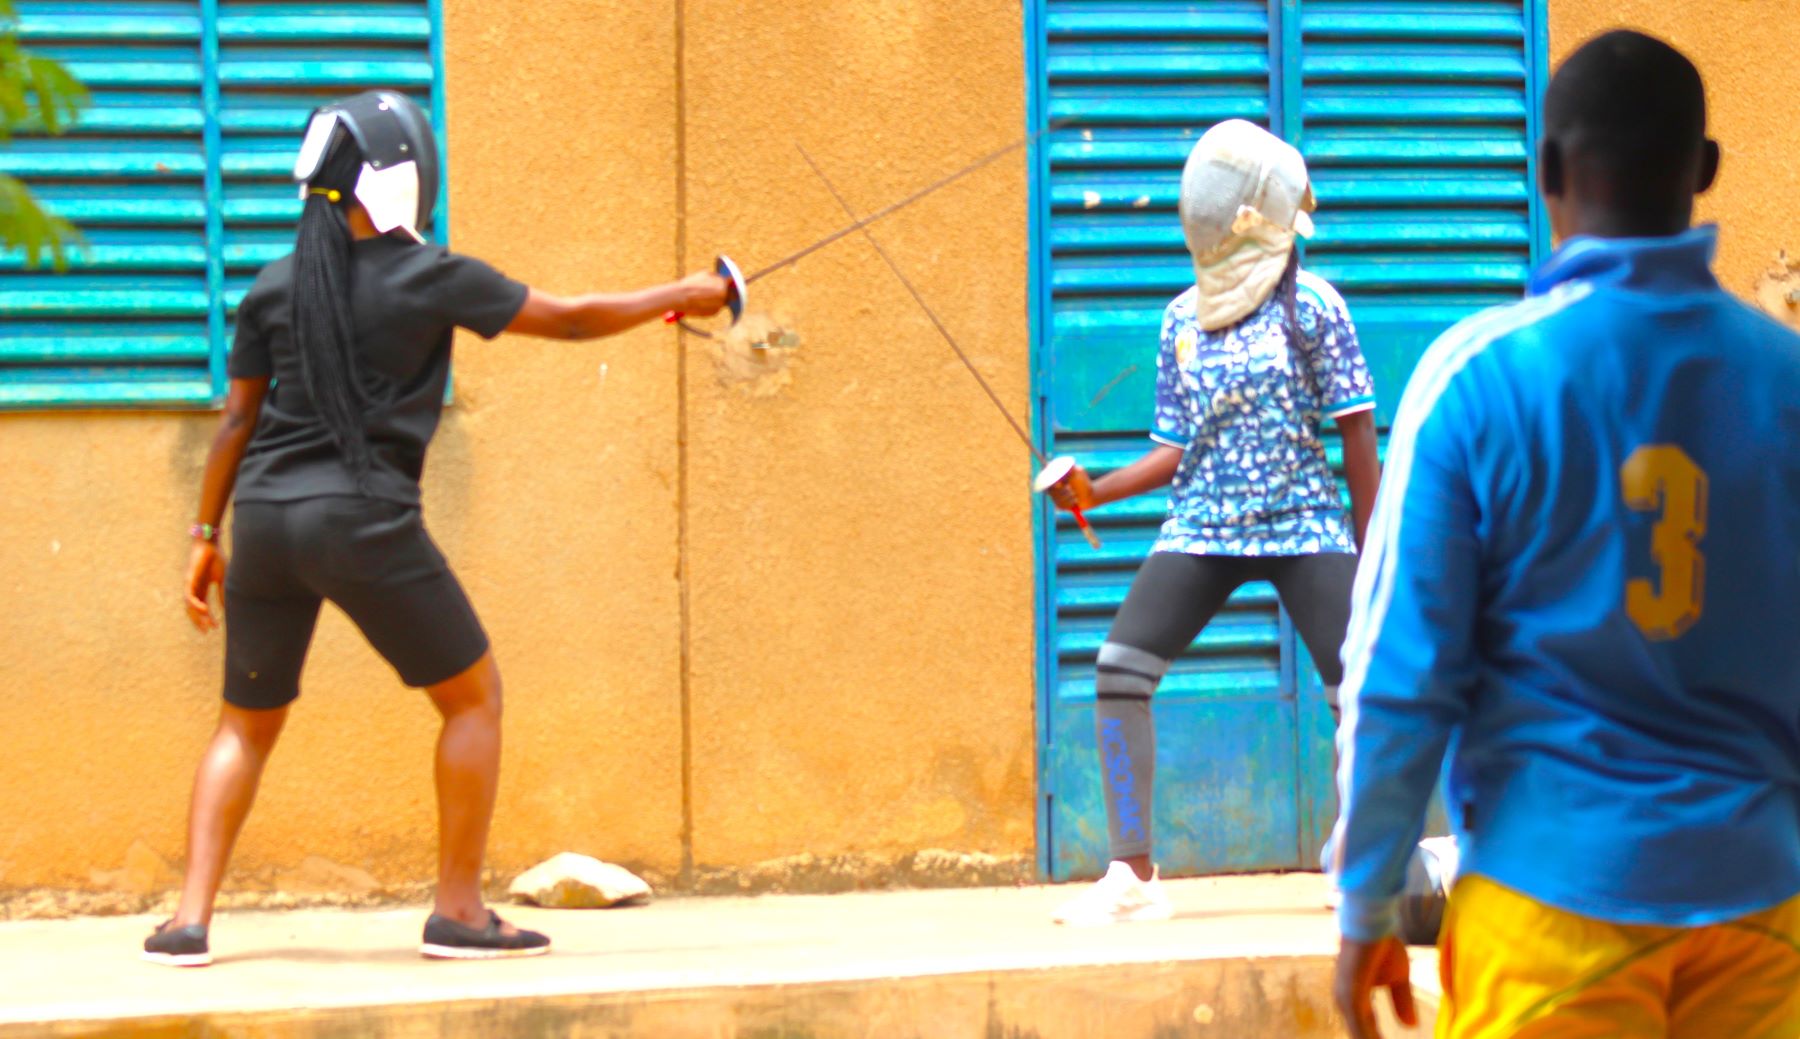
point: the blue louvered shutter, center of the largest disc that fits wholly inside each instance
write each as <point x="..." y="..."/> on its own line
<point x="130" y="321"/>
<point x="1135" y="82"/>
<point x="1417" y="117"/>
<point x="178" y="176"/>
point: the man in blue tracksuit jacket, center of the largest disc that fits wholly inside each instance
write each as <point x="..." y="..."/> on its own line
<point x="1582" y="583"/>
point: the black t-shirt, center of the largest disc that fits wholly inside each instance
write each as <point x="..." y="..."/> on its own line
<point x="406" y="300"/>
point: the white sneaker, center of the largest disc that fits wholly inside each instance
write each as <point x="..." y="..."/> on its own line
<point x="1118" y="897"/>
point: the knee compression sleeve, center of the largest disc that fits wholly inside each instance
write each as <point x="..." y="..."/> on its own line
<point x="1126" y="734"/>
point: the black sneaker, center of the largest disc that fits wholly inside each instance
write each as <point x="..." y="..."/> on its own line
<point x="445" y="939"/>
<point x="178" y="946"/>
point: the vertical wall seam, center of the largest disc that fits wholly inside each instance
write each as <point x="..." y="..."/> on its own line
<point x="681" y="459"/>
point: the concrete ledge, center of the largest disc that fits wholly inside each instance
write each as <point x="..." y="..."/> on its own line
<point x="1245" y="957"/>
<point x="1206" y="998"/>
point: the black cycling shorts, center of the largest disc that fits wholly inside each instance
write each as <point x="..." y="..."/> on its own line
<point x="372" y="559"/>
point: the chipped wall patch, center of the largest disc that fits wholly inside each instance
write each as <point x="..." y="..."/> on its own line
<point x="757" y="355"/>
<point x="1778" y="290"/>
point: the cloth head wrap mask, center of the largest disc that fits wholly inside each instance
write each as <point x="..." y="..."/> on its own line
<point x="1245" y="195"/>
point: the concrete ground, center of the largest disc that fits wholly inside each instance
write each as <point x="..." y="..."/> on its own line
<point x="1244" y="957"/>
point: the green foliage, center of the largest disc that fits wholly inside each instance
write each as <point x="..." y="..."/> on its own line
<point x="37" y="94"/>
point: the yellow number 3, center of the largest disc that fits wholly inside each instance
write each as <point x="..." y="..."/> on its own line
<point x="1662" y="478"/>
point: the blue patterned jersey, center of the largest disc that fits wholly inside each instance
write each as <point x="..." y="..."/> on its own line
<point x="1245" y="408"/>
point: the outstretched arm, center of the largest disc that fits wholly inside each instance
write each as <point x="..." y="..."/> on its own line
<point x="609" y="313"/>
<point x="206" y="565"/>
<point x="1362" y="468"/>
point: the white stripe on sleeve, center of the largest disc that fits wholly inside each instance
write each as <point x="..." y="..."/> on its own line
<point x="1373" y="590"/>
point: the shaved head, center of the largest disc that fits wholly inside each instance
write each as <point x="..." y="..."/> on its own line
<point x="1625" y="137"/>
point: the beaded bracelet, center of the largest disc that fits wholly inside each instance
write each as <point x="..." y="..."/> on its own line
<point x="205" y="532"/>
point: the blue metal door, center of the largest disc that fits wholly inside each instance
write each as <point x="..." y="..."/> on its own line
<point x="1136" y="83"/>
<point x="1416" y="117"/>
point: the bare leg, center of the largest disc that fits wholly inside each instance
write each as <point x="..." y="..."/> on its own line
<point x="224" y="788"/>
<point x="468" y="775"/>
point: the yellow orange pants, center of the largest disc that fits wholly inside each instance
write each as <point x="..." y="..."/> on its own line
<point x="1513" y="968"/>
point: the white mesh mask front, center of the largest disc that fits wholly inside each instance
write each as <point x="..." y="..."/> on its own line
<point x="1245" y="195"/>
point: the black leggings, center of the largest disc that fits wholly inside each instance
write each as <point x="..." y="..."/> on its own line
<point x="1174" y="596"/>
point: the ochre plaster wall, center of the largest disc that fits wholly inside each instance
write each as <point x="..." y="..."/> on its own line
<point x="1742" y="49"/>
<point x="860" y="538"/>
<point x="858" y="551"/>
<point x="552" y="487"/>
<point x="853" y="536"/>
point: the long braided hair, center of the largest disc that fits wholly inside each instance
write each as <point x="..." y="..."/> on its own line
<point x="323" y="331"/>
